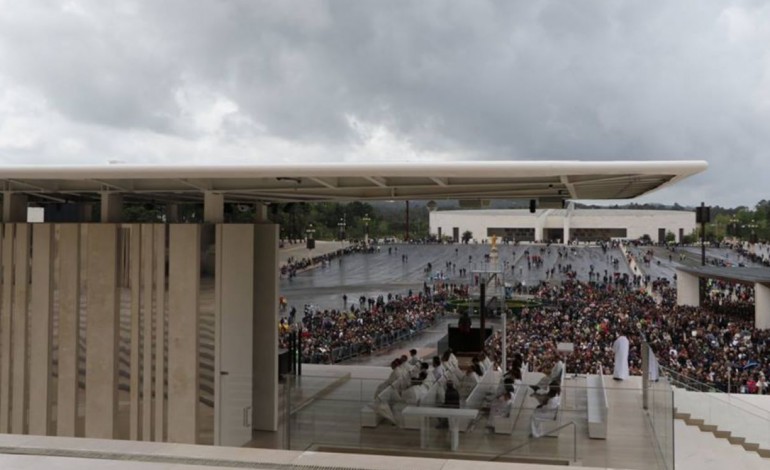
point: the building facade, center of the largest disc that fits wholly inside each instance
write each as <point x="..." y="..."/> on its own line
<point x="562" y="225"/>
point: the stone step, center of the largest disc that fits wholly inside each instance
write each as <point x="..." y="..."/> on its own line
<point x="682" y="416"/>
<point x="750" y="446"/>
<point x="722" y="434"/>
<point x="707" y="427"/>
<point x="736" y="440"/>
<point x="764" y="453"/>
<point x="694" y="422"/>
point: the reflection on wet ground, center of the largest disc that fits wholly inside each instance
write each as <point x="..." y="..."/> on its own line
<point x="399" y="268"/>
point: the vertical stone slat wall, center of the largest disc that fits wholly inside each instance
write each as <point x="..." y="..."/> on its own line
<point x="41" y="330"/>
<point x="69" y="328"/>
<point x="135" y="271"/>
<point x="102" y="331"/>
<point x="5" y="328"/>
<point x="20" y="377"/>
<point x="183" y="308"/>
<point x="147" y="327"/>
<point x="60" y="340"/>
<point x="159" y="232"/>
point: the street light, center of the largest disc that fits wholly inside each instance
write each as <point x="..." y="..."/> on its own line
<point x="310" y="240"/>
<point x="341" y="224"/>
<point x="366" y="220"/>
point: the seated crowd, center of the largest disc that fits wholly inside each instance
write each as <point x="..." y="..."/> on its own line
<point x="362" y="329"/>
<point x="715" y="346"/>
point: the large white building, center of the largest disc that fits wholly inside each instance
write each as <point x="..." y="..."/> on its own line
<point x="562" y="224"/>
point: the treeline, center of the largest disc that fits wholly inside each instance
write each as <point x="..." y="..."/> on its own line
<point x="388" y="219"/>
<point x="329" y="220"/>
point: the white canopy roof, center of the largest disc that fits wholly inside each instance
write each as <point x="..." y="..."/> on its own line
<point x="543" y="180"/>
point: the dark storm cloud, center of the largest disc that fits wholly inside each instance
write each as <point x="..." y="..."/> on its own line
<point x="598" y="80"/>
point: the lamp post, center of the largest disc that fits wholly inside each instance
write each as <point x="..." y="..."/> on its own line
<point x="341" y="224"/>
<point x="753" y="235"/>
<point x="366" y="220"/>
<point x="310" y="231"/>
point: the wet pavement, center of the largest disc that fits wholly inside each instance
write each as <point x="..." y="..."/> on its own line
<point x="404" y="268"/>
<point x="666" y="261"/>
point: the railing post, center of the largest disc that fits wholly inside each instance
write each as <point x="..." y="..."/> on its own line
<point x="299" y="351"/>
<point x="645" y="374"/>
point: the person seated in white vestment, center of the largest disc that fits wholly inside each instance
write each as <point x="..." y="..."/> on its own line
<point x="453" y="358"/>
<point x="553" y="379"/>
<point x="500" y="407"/>
<point x="413" y="359"/>
<point x="413" y="394"/>
<point x="468" y="383"/>
<point x="475" y="362"/>
<point x="545" y="411"/>
<point x="419" y="369"/>
<point x="438" y="369"/>
<point x="485" y="361"/>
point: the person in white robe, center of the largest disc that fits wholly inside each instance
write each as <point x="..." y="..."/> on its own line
<point x="620" y="348"/>
<point x="500" y="407"/>
<point x="414" y="360"/>
<point x="545" y="412"/>
<point x="469" y="382"/>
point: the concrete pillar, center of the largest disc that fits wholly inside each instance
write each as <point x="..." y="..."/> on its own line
<point x="87" y="212"/>
<point x="112" y="208"/>
<point x="538" y="232"/>
<point x="265" y="346"/>
<point x="260" y="213"/>
<point x="183" y="310"/>
<point x="20" y="377"/>
<point x="761" y="306"/>
<point x="69" y="327"/>
<point x="102" y="330"/>
<point x="172" y="213"/>
<point x="687" y="289"/>
<point x="147" y="266"/>
<point x="41" y="330"/>
<point x="134" y="384"/>
<point x="14" y="207"/>
<point x="213" y="208"/>
<point x="160" y="331"/>
<point x="5" y="329"/>
<point x="566" y="228"/>
<point x="234" y="312"/>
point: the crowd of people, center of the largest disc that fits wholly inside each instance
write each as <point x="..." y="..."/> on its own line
<point x="329" y="335"/>
<point x="293" y="265"/>
<point x="716" y="347"/>
<point x="715" y="344"/>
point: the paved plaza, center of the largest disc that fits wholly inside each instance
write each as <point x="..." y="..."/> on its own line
<point x="387" y="272"/>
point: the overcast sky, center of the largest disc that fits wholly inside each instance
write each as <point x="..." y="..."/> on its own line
<point x="194" y="81"/>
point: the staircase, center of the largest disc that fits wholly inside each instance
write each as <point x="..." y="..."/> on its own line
<point x="710" y="428"/>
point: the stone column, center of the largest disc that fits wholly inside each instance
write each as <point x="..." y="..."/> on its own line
<point x="69" y="328"/>
<point x="183" y="312"/>
<point x="41" y="330"/>
<point x="265" y="325"/>
<point x="14" y="207"/>
<point x="102" y="330"/>
<point x="566" y="227"/>
<point x="112" y="207"/>
<point x="687" y="289"/>
<point x="213" y="208"/>
<point x="761" y="306"/>
<point x="172" y="213"/>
